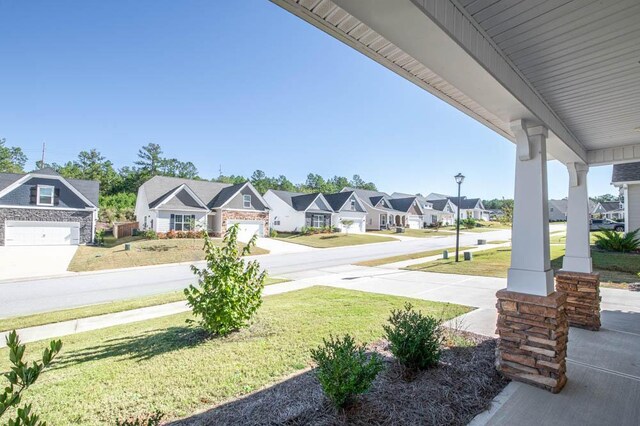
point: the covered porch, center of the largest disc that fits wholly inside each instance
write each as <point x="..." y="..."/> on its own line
<point x="560" y="81"/>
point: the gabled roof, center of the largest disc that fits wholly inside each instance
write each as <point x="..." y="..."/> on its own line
<point x="89" y="189"/>
<point x="439" y="204"/>
<point x="299" y="201"/>
<point x="337" y="200"/>
<point x="628" y="172"/>
<point x="611" y="206"/>
<point x="465" y="203"/>
<point x="370" y="197"/>
<point x="212" y="194"/>
<point x="436" y="196"/>
<point x="402" y="204"/>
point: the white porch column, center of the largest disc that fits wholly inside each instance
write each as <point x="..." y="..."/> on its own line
<point x="578" y="253"/>
<point x="530" y="270"/>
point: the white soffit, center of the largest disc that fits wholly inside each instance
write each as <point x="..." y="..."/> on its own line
<point x="582" y="57"/>
<point x="409" y="43"/>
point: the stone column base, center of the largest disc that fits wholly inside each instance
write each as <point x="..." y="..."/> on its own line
<point x="583" y="298"/>
<point x="533" y="338"/>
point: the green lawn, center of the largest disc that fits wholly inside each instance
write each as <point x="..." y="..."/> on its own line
<point x="416" y="233"/>
<point x="162" y="364"/>
<point x="613" y="267"/>
<point x="333" y="240"/>
<point x="142" y="253"/>
<point x="15" y="323"/>
<point x="484" y="227"/>
<point x="410" y="256"/>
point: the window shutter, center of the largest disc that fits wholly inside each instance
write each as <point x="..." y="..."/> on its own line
<point x="33" y="195"/>
<point x="172" y="222"/>
<point x="56" y="196"/>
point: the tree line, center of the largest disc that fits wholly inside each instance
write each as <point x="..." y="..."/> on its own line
<point x="118" y="187"/>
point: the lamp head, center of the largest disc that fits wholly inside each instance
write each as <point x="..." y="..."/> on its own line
<point x="459" y="178"/>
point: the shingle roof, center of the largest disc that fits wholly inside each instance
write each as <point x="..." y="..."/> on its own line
<point x="298" y="200"/>
<point x="465" y="203"/>
<point x="337" y="200"/>
<point x="213" y="194"/>
<point x="370" y="197"/>
<point x="402" y="204"/>
<point x="439" y="204"/>
<point x="610" y="206"/>
<point x="628" y="172"/>
<point x="89" y="188"/>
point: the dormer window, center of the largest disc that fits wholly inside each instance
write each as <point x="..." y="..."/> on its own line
<point x="45" y="195"/>
<point x="246" y="201"/>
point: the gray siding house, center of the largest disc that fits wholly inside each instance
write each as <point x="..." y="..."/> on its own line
<point x="174" y="204"/>
<point x="43" y="208"/>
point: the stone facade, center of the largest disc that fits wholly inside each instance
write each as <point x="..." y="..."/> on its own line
<point x="49" y="215"/>
<point x="533" y="338"/>
<point x="583" y="298"/>
<point x="244" y="215"/>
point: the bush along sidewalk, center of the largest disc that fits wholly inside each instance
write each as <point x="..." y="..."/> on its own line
<point x="229" y="290"/>
<point x="20" y="378"/>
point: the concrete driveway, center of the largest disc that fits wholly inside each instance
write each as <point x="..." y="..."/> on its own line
<point x="34" y="261"/>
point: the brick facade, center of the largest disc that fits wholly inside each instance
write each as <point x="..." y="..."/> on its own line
<point x="244" y="215"/>
<point x="49" y="215"/>
<point x="583" y="298"/>
<point x="533" y="338"/>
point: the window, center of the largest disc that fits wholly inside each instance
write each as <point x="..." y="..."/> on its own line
<point x="551" y="209"/>
<point x="317" y="221"/>
<point x="246" y="201"/>
<point x="353" y="204"/>
<point x="276" y="221"/>
<point x="383" y="219"/>
<point x="182" y="222"/>
<point x="45" y="195"/>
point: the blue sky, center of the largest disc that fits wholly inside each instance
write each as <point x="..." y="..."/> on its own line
<point x="243" y="85"/>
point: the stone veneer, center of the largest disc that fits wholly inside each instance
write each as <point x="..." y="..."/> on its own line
<point x="533" y="338"/>
<point x="583" y="298"/>
<point x="244" y="215"/>
<point x="49" y="215"/>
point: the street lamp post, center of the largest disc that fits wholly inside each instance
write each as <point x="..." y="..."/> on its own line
<point x="459" y="179"/>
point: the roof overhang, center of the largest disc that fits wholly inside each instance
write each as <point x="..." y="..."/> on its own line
<point x="439" y="46"/>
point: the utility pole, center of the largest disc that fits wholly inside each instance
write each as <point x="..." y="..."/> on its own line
<point x="42" y="160"/>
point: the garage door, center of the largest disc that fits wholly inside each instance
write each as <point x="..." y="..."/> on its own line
<point x="358" y="226"/>
<point x="248" y="228"/>
<point x="415" y="223"/>
<point x="26" y="233"/>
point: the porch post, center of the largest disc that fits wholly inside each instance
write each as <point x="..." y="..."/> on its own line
<point x="530" y="270"/>
<point x="576" y="279"/>
<point x="578" y="252"/>
<point x="532" y="321"/>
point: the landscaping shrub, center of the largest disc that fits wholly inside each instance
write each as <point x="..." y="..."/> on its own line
<point x="150" y="234"/>
<point x="150" y="420"/>
<point x="100" y="236"/>
<point x="468" y="223"/>
<point x="414" y="338"/>
<point x="344" y="369"/>
<point x="171" y="234"/>
<point x="20" y="378"/>
<point x="229" y="291"/>
<point x="273" y="233"/>
<point x="610" y="240"/>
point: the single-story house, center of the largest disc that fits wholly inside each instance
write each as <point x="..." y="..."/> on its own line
<point x="44" y="208"/>
<point x="613" y="210"/>
<point x="384" y="211"/>
<point x="292" y="211"/>
<point x="471" y="208"/>
<point x="175" y="204"/>
<point x="558" y="209"/>
<point x="350" y="213"/>
<point x="627" y="177"/>
<point x="444" y="211"/>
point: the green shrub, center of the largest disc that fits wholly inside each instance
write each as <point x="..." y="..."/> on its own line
<point x="617" y="241"/>
<point x="150" y="234"/>
<point x="414" y="339"/>
<point x="150" y="420"/>
<point x="100" y="236"/>
<point x="20" y="378"/>
<point x="344" y="369"/>
<point x="229" y="291"/>
<point x="468" y="223"/>
<point x="273" y="233"/>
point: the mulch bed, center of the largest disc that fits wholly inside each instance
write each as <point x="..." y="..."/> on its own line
<point x="452" y="394"/>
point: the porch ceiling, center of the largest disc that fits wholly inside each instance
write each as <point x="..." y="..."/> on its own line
<point x="571" y="65"/>
<point x="581" y="56"/>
